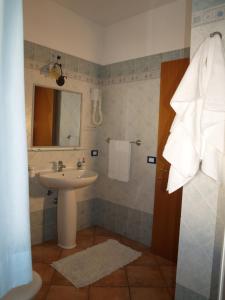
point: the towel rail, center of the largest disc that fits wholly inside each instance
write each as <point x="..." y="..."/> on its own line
<point x="137" y="142"/>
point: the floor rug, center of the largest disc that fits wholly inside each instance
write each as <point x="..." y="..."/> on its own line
<point x="90" y="265"/>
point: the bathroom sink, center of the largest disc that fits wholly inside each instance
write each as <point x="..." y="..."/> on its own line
<point x="67" y="183"/>
<point x="67" y="179"/>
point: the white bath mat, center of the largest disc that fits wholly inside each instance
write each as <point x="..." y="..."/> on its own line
<point x="90" y="265"/>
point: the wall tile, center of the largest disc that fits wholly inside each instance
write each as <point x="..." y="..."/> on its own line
<point x="202" y="225"/>
<point x="85" y="211"/>
<point x="29" y="50"/>
<point x="121" y="220"/>
<point x="129" y="206"/>
<point x="135" y="107"/>
<point x="36" y="56"/>
<point x="204" y="4"/>
<point x="37" y="236"/>
<point x="210" y="15"/>
<point x="183" y="293"/>
<point x="126" y="221"/>
<point x="197" y="234"/>
<point x="142" y="68"/>
<point x="50" y="232"/>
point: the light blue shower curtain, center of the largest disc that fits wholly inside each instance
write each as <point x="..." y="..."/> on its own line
<point x="15" y="256"/>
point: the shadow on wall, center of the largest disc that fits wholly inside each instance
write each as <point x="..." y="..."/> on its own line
<point x="44" y="221"/>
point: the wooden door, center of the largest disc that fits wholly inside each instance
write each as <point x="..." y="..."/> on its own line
<point x="167" y="207"/>
<point x="43" y="116"/>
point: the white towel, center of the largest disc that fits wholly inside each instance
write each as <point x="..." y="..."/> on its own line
<point x="119" y="160"/>
<point x="197" y="133"/>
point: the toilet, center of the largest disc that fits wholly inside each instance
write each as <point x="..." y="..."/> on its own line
<point x="25" y="292"/>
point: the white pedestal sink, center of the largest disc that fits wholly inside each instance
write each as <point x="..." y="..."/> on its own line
<point x="67" y="182"/>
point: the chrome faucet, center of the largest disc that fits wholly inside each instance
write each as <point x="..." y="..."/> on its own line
<point x="60" y="166"/>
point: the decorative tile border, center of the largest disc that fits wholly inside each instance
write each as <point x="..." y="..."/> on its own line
<point x="210" y="15"/>
<point x="31" y="64"/>
<point x="143" y="68"/>
<point x="204" y="4"/>
<point x="74" y="67"/>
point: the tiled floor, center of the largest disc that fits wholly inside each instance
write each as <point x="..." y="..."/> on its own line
<point x="148" y="278"/>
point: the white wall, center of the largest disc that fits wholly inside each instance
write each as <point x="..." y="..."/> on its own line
<point x="163" y="29"/>
<point x="51" y="25"/>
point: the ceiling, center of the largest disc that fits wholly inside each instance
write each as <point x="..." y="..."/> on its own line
<point x="107" y="12"/>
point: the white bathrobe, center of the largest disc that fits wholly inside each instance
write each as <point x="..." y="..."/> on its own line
<point x="196" y="137"/>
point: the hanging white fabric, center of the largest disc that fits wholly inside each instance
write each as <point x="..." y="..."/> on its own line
<point x="197" y="134"/>
<point x="15" y="253"/>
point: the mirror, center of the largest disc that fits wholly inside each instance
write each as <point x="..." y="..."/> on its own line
<point x="56" y="118"/>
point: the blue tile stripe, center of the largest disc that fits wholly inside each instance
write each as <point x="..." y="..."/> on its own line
<point x="210" y="15"/>
<point x="131" y="70"/>
<point x="142" y="68"/>
<point x="198" y="5"/>
<point x="36" y="56"/>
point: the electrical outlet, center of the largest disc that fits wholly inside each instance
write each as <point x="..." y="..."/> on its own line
<point x="151" y="159"/>
<point x="94" y="152"/>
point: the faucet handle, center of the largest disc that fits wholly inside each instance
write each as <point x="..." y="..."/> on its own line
<point x="54" y="165"/>
<point x="79" y="164"/>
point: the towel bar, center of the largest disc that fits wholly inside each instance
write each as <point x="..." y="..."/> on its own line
<point x="137" y="142"/>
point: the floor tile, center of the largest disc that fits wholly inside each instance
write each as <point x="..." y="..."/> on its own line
<point x="86" y="232"/>
<point x="150" y="277"/>
<point x="46" y="252"/>
<point x="133" y="244"/>
<point x="147" y="259"/>
<point x="117" y="278"/>
<point x="102" y="231"/>
<point x="85" y="241"/>
<point x="150" y="294"/>
<point x="169" y="274"/>
<point x="103" y="238"/>
<point x="172" y="292"/>
<point x="66" y="293"/>
<point x="109" y="293"/>
<point x="67" y="252"/>
<point x="45" y="271"/>
<point x="102" y="235"/>
<point x="59" y="279"/>
<point x="164" y="261"/>
<point x="145" y="276"/>
<point x="41" y="295"/>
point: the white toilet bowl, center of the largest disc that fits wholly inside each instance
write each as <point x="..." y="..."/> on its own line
<point x="25" y="292"/>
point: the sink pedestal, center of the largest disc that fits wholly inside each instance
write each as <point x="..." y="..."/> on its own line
<point x="67" y="182"/>
<point x="67" y="218"/>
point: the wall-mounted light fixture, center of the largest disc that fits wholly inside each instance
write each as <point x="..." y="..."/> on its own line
<point x="54" y="70"/>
